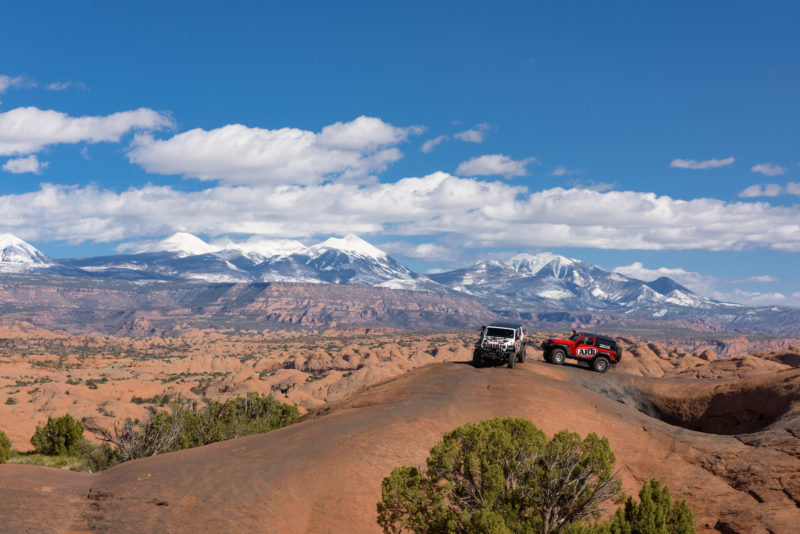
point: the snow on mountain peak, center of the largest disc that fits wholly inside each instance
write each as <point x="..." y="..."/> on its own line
<point x="183" y="244"/>
<point x="15" y="250"/>
<point x="533" y="263"/>
<point x="265" y="248"/>
<point x="350" y="244"/>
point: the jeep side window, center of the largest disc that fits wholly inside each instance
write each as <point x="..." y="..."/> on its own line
<point x="589" y="341"/>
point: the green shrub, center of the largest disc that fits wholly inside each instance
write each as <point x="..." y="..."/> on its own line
<point x="5" y="447"/>
<point x="60" y="435"/>
<point x="653" y="514"/>
<point x="184" y="426"/>
<point x="97" y="457"/>
<point x="501" y="476"/>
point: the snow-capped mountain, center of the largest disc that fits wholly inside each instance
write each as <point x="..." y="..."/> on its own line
<point x="534" y="284"/>
<point x="17" y="255"/>
<point x="182" y="244"/>
<point x="549" y="281"/>
<point x="182" y="256"/>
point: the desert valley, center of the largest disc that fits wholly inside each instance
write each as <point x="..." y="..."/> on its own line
<point x="722" y="432"/>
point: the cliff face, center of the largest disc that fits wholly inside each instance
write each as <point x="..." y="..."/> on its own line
<point x="167" y="306"/>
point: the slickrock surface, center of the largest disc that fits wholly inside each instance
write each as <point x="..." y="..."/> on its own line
<point x="323" y="474"/>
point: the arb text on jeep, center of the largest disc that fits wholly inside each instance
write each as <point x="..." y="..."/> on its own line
<point x="503" y="342"/>
<point x="598" y="351"/>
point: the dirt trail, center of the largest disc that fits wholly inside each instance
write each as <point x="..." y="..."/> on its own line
<point x="324" y="473"/>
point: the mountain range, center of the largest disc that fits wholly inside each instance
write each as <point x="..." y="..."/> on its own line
<point x="525" y="287"/>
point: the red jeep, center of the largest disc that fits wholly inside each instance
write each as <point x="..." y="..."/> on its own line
<point x="597" y="351"/>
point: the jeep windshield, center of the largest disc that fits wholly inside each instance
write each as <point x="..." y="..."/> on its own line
<point x="494" y="331"/>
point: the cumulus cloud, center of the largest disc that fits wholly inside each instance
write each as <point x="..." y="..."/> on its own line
<point x="494" y="165"/>
<point x="23" y="165"/>
<point x="473" y="213"/>
<point x="238" y="154"/>
<point x="756" y="190"/>
<point x="770" y="190"/>
<point x="701" y="165"/>
<point x="27" y="130"/>
<point x="793" y="188"/>
<point x="768" y="169"/>
<point x="430" y="144"/>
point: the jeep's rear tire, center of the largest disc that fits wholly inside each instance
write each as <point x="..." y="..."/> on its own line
<point x="476" y="358"/>
<point x="600" y="365"/>
<point x="557" y="356"/>
<point x="512" y="359"/>
<point x="521" y="357"/>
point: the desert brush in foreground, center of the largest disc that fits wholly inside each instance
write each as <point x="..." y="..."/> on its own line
<point x="503" y="475"/>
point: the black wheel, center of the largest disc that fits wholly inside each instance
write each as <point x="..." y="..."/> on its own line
<point x="512" y="359"/>
<point x="557" y="356"/>
<point x="521" y="356"/>
<point x="600" y="365"/>
<point x="476" y="358"/>
<point x="547" y="357"/>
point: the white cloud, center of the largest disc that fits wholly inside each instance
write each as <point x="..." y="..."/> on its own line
<point x="793" y="188"/>
<point x="494" y="165"/>
<point x="701" y="165"/>
<point x="591" y="185"/>
<point x="22" y="165"/>
<point x="752" y="298"/>
<point x="563" y="171"/>
<point x="762" y="278"/>
<point x="365" y="134"/>
<point x="768" y="169"/>
<point x="470" y="136"/>
<point x="473" y="135"/>
<point x="28" y="130"/>
<point x="430" y="144"/>
<point x="756" y="190"/>
<point x="695" y="281"/>
<point x="471" y="212"/>
<point x="435" y="252"/>
<point x="711" y="286"/>
<point x="63" y="86"/>
<point x="7" y="82"/>
<point x="238" y="154"/>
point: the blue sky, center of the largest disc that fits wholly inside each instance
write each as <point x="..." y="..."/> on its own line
<point x="654" y="139"/>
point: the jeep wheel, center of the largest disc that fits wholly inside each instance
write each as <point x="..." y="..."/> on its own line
<point x="476" y="358"/>
<point x="557" y="356"/>
<point x="521" y="357"/>
<point x="600" y="365"/>
<point x="512" y="359"/>
<point x="547" y="357"/>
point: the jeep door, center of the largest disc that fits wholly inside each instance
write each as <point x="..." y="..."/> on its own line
<point x="585" y="348"/>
